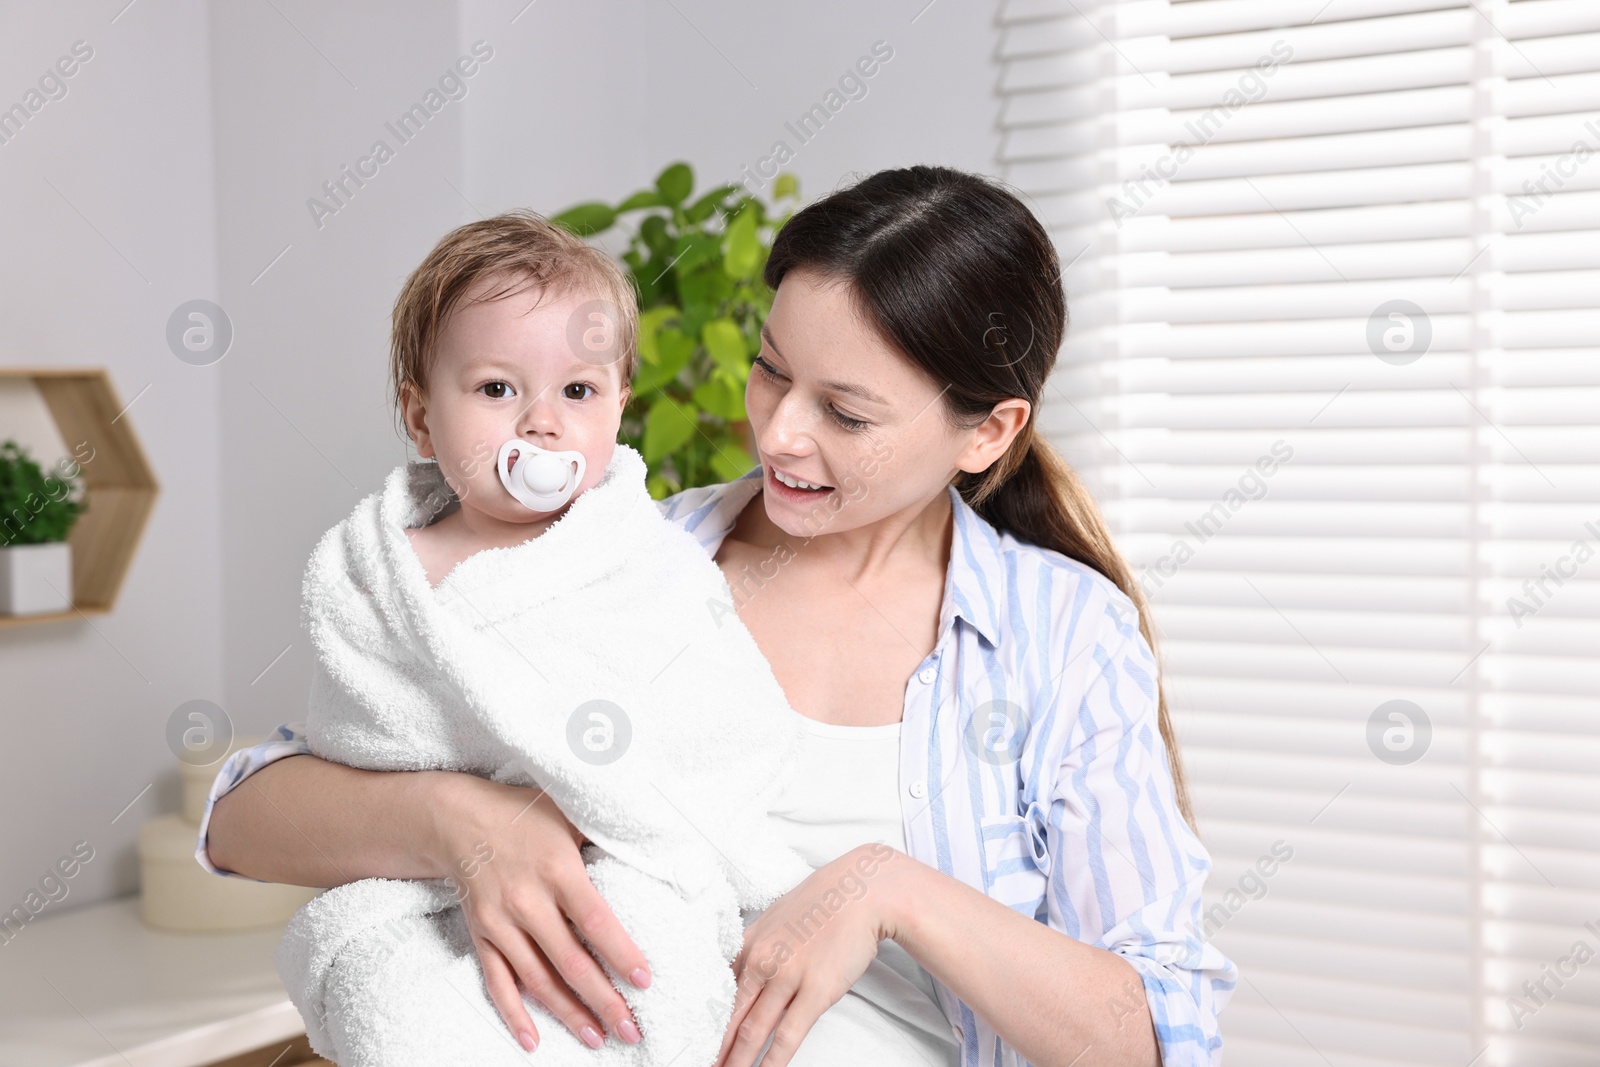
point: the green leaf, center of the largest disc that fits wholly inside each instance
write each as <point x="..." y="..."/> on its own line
<point x="725" y="343"/>
<point x="674" y="348"/>
<point x="786" y="185"/>
<point x="751" y="205"/>
<point x="650" y="324"/>
<point x="708" y="395"/>
<point x="730" y="461"/>
<point x="675" y="183"/>
<point x="648" y="380"/>
<point x="643" y="198"/>
<point x="653" y="232"/>
<point x="735" y="411"/>
<point x="587" y="219"/>
<point x="721" y="396"/>
<point x="707" y="205"/>
<point x="670" y="424"/>
<point x="659" y="487"/>
<point x="744" y="249"/>
<point x="693" y="250"/>
<point x="706" y="288"/>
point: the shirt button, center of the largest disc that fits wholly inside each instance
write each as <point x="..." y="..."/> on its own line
<point x="927" y="674"/>
<point x="918" y="789"/>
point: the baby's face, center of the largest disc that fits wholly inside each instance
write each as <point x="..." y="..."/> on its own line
<point x="500" y="371"/>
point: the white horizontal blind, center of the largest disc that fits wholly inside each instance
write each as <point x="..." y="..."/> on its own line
<point x="1539" y="679"/>
<point x="1334" y="373"/>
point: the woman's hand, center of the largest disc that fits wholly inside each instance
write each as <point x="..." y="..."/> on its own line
<point x="805" y="952"/>
<point x="514" y="860"/>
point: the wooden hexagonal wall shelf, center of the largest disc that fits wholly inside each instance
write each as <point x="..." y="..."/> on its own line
<point x="120" y="490"/>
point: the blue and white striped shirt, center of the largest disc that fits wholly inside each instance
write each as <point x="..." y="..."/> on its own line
<point x="1032" y="768"/>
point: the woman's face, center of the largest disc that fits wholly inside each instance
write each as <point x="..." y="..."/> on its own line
<point x="832" y="405"/>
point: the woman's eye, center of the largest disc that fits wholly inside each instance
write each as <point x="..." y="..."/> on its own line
<point x="580" y="385"/>
<point x="495" y="390"/>
<point x="845" y="420"/>
<point x="840" y="417"/>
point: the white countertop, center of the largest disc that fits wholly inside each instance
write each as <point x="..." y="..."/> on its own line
<point x="128" y="996"/>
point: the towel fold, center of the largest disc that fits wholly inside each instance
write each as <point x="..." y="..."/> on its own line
<point x="602" y="662"/>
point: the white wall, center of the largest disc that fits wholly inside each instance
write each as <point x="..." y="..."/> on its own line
<point x="193" y="140"/>
<point x="306" y="429"/>
<point x="88" y="277"/>
<point x="714" y="84"/>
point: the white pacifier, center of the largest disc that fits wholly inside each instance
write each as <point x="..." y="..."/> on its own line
<point x="541" y="480"/>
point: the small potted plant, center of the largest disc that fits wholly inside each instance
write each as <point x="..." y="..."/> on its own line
<point x="37" y="512"/>
<point x="696" y="265"/>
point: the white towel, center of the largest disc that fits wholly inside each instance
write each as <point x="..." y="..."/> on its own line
<point x="494" y="673"/>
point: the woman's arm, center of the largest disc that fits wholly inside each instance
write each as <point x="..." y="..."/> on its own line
<point x="288" y="740"/>
<point x="1054" y="999"/>
<point x="513" y="857"/>
<point x="306" y="821"/>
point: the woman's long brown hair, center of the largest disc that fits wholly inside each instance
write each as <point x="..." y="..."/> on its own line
<point x="958" y="275"/>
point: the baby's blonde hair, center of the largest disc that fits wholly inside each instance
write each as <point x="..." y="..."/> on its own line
<point x="529" y="251"/>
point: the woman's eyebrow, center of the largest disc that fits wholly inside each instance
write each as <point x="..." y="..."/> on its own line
<point x="860" y="391"/>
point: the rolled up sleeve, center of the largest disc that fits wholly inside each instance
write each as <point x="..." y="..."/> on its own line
<point x="287" y="740"/>
<point x="1127" y="871"/>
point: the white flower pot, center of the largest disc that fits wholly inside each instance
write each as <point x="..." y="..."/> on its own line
<point x="35" y="579"/>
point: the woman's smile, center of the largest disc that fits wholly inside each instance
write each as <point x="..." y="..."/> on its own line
<point x="791" y="489"/>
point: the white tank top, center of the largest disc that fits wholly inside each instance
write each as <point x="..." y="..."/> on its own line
<point x="846" y="792"/>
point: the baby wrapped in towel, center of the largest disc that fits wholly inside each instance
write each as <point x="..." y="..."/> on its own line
<point x="519" y="609"/>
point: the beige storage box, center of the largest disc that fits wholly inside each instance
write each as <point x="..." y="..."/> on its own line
<point x="176" y="893"/>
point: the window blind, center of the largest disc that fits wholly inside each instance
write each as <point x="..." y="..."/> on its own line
<point x="1334" y="374"/>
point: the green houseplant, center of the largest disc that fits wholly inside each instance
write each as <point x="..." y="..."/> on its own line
<point x="37" y="512"/>
<point x="696" y="265"/>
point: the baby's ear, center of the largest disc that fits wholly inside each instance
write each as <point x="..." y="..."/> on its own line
<point x="414" y="415"/>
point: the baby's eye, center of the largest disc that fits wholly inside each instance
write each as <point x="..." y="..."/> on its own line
<point x="579" y="385"/>
<point x="495" y="390"/>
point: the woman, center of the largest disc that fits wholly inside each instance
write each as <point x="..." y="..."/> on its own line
<point x="992" y="797"/>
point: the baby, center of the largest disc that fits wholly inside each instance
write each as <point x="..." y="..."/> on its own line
<point x="514" y="605"/>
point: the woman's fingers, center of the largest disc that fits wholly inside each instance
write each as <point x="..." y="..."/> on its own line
<point x="761" y="1017"/>
<point x="520" y="907"/>
<point x="578" y="969"/>
<point x="593" y="918"/>
<point x="732" y="1032"/>
<point x="502" y="985"/>
<point x="533" y="955"/>
<point x="791" y="1028"/>
<point x="746" y="988"/>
